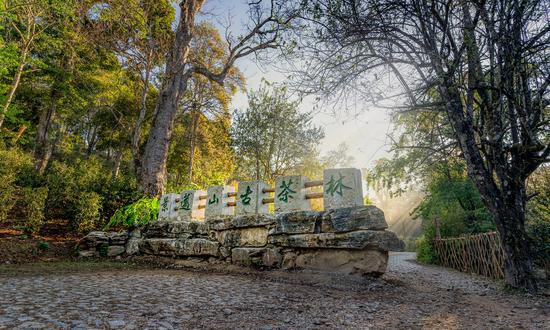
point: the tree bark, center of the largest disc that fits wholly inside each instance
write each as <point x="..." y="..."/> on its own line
<point x="192" y="143"/>
<point x="153" y="167"/>
<point x="15" y="83"/>
<point x="136" y="138"/>
<point x="43" y="149"/>
<point x="118" y="161"/>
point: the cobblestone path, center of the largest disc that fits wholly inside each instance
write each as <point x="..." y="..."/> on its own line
<point x="409" y="296"/>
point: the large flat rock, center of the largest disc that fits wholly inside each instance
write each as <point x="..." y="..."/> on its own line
<point x="258" y="257"/>
<point x="175" y="229"/>
<point x="367" y="217"/>
<point x="359" y="240"/>
<point x="368" y="262"/>
<point x="179" y="247"/>
<point x="302" y="222"/>
<point x="245" y="237"/>
<point x="241" y="221"/>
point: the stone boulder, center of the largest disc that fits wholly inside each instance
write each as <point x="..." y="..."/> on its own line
<point x="241" y="221"/>
<point x="361" y="262"/>
<point x="178" y="247"/>
<point x="258" y="257"/>
<point x="175" y="229"/>
<point x="367" y="217"/>
<point x="245" y="237"/>
<point x="356" y="240"/>
<point x="302" y="222"/>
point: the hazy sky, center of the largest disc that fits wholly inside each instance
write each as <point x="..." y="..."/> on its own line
<point x="365" y="133"/>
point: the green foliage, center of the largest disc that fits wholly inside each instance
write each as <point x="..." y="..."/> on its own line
<point x="272" y="137"/>
<point x="91" y="179"/>
<point x="30" y="205"/>
<point x="86" y="209"/>
<point x="425" y="251"/>
<point x="453" y="199"/>
<point x="136" y="214"/>
<point x="12" y="163"/>
<point x="538" y="215"/>
<point x="43" y="246"/>
<point x="103" y="249"/>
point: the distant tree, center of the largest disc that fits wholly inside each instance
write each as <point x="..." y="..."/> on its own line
<point x="338" y="157"/>
<point x="272" y="137"/>
<point x="25" y="21"/>
<point x="485" y="64"/>
<point x="201" y="152"/>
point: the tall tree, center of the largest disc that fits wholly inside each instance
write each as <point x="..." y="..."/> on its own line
<point x="140" y="33"/>
<point x="201" y="134"/>
<point x="272" y="137"/>
<point x="27" y="21"/>
<point x="484" y="63"/>
<point x="266" y="25"/>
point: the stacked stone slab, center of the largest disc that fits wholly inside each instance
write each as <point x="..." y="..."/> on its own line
<point x="102" y="244"/>
<point x="346" y="240"/>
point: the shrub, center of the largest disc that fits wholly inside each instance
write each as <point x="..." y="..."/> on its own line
<point x="86" y="210"/>
<point x="30" y="206"/>
<point x="425" y="251"/>
<point x="12" y="163"/>
<point x="136" y="214"/>
<point x="539" y="231"/>
<point x="43" y="246"/>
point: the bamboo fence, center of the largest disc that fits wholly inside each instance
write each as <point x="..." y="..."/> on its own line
<point x="481" y="254"/>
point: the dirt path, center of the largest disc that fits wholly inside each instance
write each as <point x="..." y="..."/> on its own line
<point x="409" y="296"/>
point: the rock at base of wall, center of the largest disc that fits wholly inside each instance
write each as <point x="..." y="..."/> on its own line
<point x="241" y="221"/>
<point x="86" y="253"/>
<point x="132" y="246"/>
<point x="362" y="239"/>
<point x="93" y="239"/>
<point x="179" y="247"/>
<point x="258" y="257"/>
<point x="175" y="229"/>
<point x="245" y="237"/>
<point x="115" y="250"/>
<point x="367" y="262"/>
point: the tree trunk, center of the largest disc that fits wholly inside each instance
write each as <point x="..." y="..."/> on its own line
<point x="518" y="267"/>
<point x="136" y="138"/>
<point x="192" y="143"/>
<point x="153" y="167"/>
<point x="43" y="149"/>
<point x="506" y="202"/>
<point x="15" y="83"/>
<point x="118" y="161"/>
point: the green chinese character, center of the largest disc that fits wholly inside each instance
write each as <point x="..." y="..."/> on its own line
<point x="336" y="186"/>
<point x="213" y="200"/>
<point x="245" y="198"/>
<point x="165" y="202"/>
<point x="185" y="204"/>
<point x="286" y="192"/>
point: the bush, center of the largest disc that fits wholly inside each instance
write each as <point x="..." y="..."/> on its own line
<point x="425" y="251"/>
<point x="12" y="163"/>
<point x="86" y="210"/>
<point x="87" y="176"/>
<point x="539" y="231"/>
<point x="30" y="206"/>
<point x="136" y="214"/>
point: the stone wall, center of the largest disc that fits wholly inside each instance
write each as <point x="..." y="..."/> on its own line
<point x="348" y="240"/>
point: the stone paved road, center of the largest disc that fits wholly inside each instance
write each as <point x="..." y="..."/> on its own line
<point x="409" y="296"/>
